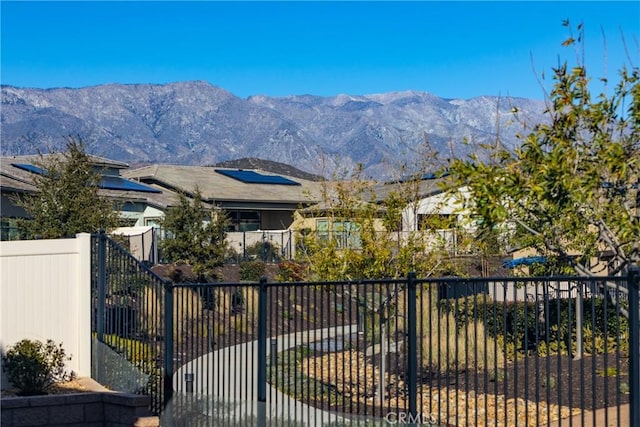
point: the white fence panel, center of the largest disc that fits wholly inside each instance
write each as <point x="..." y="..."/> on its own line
<point x="45" y="293"/>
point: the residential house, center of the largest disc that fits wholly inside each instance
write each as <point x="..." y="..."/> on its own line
<point x="431" y="210"/>
<point x="260" y="205"/>
<point x="434" y="208"/>
<point x="252" y="199"/>
<point x="138" y="204"/>
<point x="328" y="220"/>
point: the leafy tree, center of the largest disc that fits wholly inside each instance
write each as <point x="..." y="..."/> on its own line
<point x="67" y="199"/>
<point x="570" y="190"/>
<point x="195" y="234"/>
<point x="364" y="238"/>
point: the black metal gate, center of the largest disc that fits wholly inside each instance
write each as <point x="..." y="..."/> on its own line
<point x="128" y="342"/>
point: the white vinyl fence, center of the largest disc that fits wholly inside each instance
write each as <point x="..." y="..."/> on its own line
<point x="45" y="293"/>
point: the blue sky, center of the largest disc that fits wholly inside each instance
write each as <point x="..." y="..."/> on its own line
<point x="451" y="49"/>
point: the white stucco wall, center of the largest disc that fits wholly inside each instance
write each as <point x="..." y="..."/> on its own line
<point x="440" y="204"/>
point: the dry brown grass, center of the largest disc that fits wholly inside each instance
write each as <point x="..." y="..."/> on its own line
<point x="187" y="307"/>
<point x="251" y="296"/>
<point x="446" y="347"/>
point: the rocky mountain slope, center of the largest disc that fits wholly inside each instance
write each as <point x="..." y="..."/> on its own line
<point x="198" y="123"/>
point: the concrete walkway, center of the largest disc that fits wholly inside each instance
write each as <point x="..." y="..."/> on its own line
<point x="598" y="418"/>
<point x="229" y="376"/>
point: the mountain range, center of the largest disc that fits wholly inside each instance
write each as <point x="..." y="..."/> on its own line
<point x="198" y="123"/>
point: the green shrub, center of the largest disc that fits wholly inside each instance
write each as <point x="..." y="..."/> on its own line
<point x="523" y="326"/>
<point x="135" y="351"/>
<point x="33" y="367"/>
<point x="252" y="270"/>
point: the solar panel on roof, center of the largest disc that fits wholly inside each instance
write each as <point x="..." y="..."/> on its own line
<point x="109" y="182"/>
<point x="252" y="177"/>
<point x="423" y="177"/>
<point x="30" y="168"/>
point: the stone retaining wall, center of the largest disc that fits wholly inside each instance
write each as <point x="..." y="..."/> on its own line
<point x="104" y="409"/>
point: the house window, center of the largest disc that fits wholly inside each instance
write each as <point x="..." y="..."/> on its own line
<point x="244" y="220"/>
<point x="155" y="222"/>
<point x="322" y="228"/>
<point x="10" y="230"/>
<point x="345" y="233"/>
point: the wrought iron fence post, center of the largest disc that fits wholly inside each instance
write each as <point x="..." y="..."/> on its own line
<point x="633" y="279"/>
<point x="262" y="340"/>
<point x="412" y="348"/>
<point x="382" y="362"/>
<point x="244" y="246"/>
<point x="579" y="321"/>
<point x="168" y="342"/>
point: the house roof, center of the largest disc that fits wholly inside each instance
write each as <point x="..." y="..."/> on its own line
<point x="422" y="187"/>
<point x="222" y="185"/>
<point x="426" y="186"/>
<point x="18" y="179"/>
<point x="34" y="159"/>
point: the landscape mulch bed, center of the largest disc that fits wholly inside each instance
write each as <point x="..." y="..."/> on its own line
<point x="532" y="391"/>
<point x="591" y="382"/>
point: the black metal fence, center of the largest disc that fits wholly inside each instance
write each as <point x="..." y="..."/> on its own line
<point x="127" y="324"/>
<point x="520" y="351"/>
